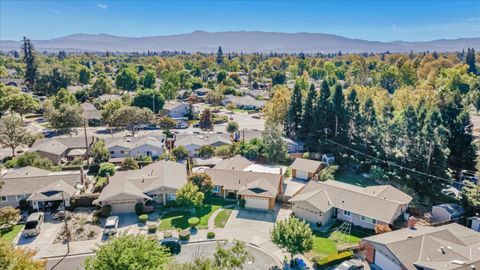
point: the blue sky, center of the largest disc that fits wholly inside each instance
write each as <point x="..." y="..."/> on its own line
<point x="373" y="20"/>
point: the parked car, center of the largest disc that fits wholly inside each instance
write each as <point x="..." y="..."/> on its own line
<point x="111" y="225"/>
<point x="196" y="125"/>
<point x="33" y="224"/>
<point x="352" y="264"/>
<point x="172" y="244"/>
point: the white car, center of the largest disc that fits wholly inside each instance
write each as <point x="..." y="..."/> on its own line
<point x="33" y="224"/>
<point x="111" y="225"/>
<point x="352" y="264"/>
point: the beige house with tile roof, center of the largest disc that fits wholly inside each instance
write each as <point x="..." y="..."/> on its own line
<point x="158" y="181"/>
<point x="446" y="247"/>
<point x="319" y="202"/>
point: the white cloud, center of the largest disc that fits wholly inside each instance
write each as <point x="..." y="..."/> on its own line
<point x="102" y="6"/>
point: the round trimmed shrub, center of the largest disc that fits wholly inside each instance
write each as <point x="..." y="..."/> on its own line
<point x="143" y="218"/>
<point x="167" y="234"/>
<point x="210" y="235"/>
<point x="106" y="210"/>
<point x="152" y="228"/>
<point x="193" y="222"/>
<point x="184" y="235"/>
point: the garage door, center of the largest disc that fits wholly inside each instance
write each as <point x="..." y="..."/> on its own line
<point x="302" y="175"/>
<point x="384" y="262"/>
<point x="256" y="202"/>
<point x="123" y="207"/>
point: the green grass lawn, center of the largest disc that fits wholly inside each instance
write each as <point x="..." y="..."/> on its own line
<point x="350" y="177"/>
<point x="222" y="217"/>
<point x="204" y="214"/>
<point x="325" y="244"/>
<point x="10" y="235"/>
<point x="174" y="220"/>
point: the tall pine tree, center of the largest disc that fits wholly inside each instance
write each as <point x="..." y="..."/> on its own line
<point x="308" y="113"/>
<point x="294" y="115"/>
<point x="470" y="61"/>
<point x="29" y="59"/>
<point x="220" y="56"/>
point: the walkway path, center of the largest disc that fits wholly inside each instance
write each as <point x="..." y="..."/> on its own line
<point x="211" y="220"/>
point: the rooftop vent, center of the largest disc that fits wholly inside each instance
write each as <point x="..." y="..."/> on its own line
<point x="458" y="262"/>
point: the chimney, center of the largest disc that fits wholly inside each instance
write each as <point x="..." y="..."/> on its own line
<point x="412" y="221"/>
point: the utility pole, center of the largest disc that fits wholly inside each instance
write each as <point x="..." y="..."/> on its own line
<point x="430" y="149"/>
<point x="86" y="141"/>
<point x="153" y="103"/>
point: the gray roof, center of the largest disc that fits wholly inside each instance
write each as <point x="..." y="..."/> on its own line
<point x="58" y="146"/>
<point x="442" y="247"/>
<point x="28" y="180"/>
<point x="453" y="209"/>
<point x="206" y="161"/>
<point x="237" y="180"/>
<point x="134" y="142"/>
<point x="380" y="206"/>
<point x="243" y="101"/>
<point x="161" y="174"/>
<point x="53" y="192"/>
<point x="306" y="165"/>
<point x="170" y="105"/>
<point x="261" y="188"/>
<point x="90" y="111"/>
<point x="203" y="139"/>
<point x="236" y="163"/>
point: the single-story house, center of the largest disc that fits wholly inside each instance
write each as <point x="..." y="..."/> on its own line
<point x="246" y="135"/>
<point x="263" y="94"/>
<point x="244" y="102"/>
<point x="38" y="186"/>
<point x="175" y="109"/>
<point x="206" y="162"/>
<point x="192" y="142"/>
<point x="294" y="146"/>
<point x="156" y="182"/>
<point x="109" y="97"/>
<point x="60" y="149"/>
<point x="259" y="190"/>
<point x="318" y="202"/>
<point x="149" y="145"/>
<point x="91" y="114"/>
<point x="235" y="163"/>
<point x="447" y="247"/>
<point x="447" y="212"/>
<point x="305" y="169"/>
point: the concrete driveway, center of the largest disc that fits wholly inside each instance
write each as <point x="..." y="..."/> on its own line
<point x="254" y="226"/>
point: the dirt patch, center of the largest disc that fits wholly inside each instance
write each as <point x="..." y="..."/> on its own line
<point x="80" y="227"/>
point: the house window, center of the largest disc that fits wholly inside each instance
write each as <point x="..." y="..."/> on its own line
<point x="346" y="213"/>
<point x="216" y="189"/>
<point x="3" y="199"/>
<point x="154" y="196"/>
<point x="122" y="152"/>
<point x="171" y="196"/>
<point x="112" y="152"/>
<point x="21" y="197"/>
<point x="368" y="220"/>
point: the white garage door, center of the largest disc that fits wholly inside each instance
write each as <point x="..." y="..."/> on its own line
<point x="256" y="202"/>
<point x="123" y="207"/>
<point x="301" y="175"/>
<point x="385" y="263"/>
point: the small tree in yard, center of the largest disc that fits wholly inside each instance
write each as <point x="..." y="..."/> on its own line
<point x="292" y="234"/>
<point x="233" y="257"/>
<point x="9" y="215"/>
<point x="206" y="122"/>
<point x="167" y="123"/>
<point x="130" y="164"/>
<point x="202" y="180"/>
<point x="12" y="134"/>
<point x="189" y="196"/>
<point x="100" y="152"/>
<point x="206" y="151"/>
<point x="106" y="168"/>
<point x="232" y="127"/>
<point x="15" y="258"/>
<point x="129" y="252"/>
<point x="327" y="173"/>
<point x="180" y="153"/>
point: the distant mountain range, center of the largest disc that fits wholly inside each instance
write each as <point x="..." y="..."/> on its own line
<point x="239" y="41"/>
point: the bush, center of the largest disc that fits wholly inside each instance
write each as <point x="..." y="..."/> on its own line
<point x="288" y="172"/>
<point x="167" y="234"/>
<point x="95" y="220"/>
<point x="100" y="184"/>
<point x="106" y="168"/>
<point x="106" y="210"/>
<point x="139" y="208"/>
<point x="210" y="235"/>
<point x="23" y="204"/>
<point x="152" y="228"/>
<point x="193" y="222"/>
<point x="143" y="218"/>
<point x="242" y="203"/>
<point x="184" y="235"/>
<point x="332" y="259"/>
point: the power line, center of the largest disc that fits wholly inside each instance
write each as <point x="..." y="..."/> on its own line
<point x="389" y="162"/>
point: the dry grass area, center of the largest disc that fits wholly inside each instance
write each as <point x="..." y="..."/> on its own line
<point x="80" y="227"/>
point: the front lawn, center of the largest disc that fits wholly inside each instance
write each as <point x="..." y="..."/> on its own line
<point x="328" y="243"/>
<point x="204" y="214"/>
<point x="349" y="177"/>
<point x="10" y="235"/>
<point x="174" y="220"/>
<point x="222" y="217"/>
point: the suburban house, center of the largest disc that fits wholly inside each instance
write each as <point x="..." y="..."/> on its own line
<point x="294" y="146"/>
<point x="262" y="94"/>
<point x="259" y="190"/>
<point x="319" y="202"/>
<point x="235" y="163"/>
<point x="305" y="169"/>
<point x="447" y="212"/>
<point x="175" y="109"/>
<point x="156" y="182"/>
<point x="244" y="102"/>
<point x="59" y="150"/>
<point x="38" y="187"/>
<point x="192" y="142"/>
<point x="149" y="145"/>
<point x="91" y="114"/>
<point x="201" y="92"/>
<point x="246" y="135"/>
<point x="448" y="247"/>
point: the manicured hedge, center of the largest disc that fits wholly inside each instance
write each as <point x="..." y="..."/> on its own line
<point x="210" y="235"/>
<point x="193" y="222"/>
<point x="167" y="234"/>
<point x="184" y="235"/>
<point x="143" y="218"/>
<point x="333" y="259"/>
